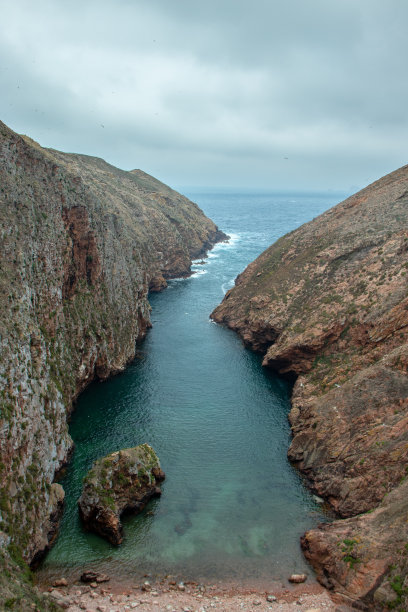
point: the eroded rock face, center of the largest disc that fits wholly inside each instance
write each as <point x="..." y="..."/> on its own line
<point x="327" y="305"/>
<point x="120" y="482"/>
<point x="82" y="243"/>
<point x="365" y="557"/>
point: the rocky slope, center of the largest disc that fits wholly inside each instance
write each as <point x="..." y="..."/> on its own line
<point x="327" y="305"/>
<point x="123" y="481"/>
<point x="82" y="244"/>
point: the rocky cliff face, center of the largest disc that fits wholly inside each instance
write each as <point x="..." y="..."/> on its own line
<point x="328" y="306"/>
<point x="82" y="244"/>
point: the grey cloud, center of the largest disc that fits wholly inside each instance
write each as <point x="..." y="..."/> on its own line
<point x="216" y="92"/>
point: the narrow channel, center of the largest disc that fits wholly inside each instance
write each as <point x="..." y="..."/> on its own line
<point x="232" y="505"/>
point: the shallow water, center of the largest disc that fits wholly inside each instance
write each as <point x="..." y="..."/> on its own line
<point x="232" y="506"/>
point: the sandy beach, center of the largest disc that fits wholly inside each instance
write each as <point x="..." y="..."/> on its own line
<point x="170" y="595"/>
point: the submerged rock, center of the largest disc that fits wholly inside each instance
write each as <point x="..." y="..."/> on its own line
<point x="122" y="481"/>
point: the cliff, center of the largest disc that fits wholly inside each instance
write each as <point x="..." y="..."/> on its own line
<point x="82" y="244"/>
<point x="327" y="305"/>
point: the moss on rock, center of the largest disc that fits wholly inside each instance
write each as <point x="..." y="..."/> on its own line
<point x="122" y="481"/>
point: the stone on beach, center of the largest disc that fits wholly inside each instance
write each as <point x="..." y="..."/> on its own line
<point x="91" y="576"/>
<point x="297" y="578"/>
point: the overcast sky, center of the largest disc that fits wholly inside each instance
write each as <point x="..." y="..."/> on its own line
<point x="295" y="94"/>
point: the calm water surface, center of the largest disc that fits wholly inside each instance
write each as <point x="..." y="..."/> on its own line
<point x="232" y="506"/>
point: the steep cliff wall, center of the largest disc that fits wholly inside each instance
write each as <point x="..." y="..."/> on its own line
<point x="82" y="244"/>
<point x="328" y="306"/>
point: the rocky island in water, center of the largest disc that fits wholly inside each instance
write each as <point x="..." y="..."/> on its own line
<point x="83" y="243"/>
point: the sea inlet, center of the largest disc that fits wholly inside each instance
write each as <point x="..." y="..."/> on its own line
<point x="232" y="506"/>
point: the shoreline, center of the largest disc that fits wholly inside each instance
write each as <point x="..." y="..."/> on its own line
<point x="171" y="594"/>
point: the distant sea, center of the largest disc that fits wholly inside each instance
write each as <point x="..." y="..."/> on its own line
<point x="232" y="507"/>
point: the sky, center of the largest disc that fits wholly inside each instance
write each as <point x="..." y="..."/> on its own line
<point x="294" y="95"/>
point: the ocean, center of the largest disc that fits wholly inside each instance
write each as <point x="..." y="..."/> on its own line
<point x="232" y="506"/>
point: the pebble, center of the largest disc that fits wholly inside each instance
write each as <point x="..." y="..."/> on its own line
<point x="181" y="586"/>
<point x="61" y="582"/>
<point x="270" y="598"/>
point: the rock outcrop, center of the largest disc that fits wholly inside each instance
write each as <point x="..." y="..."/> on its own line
<point x="123" y="481"/>
<point x="82" y="245"/>
<point x="327" y="305"/>
<point x="365" y="557"/>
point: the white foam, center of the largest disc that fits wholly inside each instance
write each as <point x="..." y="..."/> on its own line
<point x="228" y="285"/>
<point x="198" y="273"/>
<point x="180" y="279"/>
<point x="233" y="239"/>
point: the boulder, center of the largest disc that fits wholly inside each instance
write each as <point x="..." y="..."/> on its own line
<point x="91" y="576"/>
<point x="122" y="481"/>
<point x="297" y="578"/>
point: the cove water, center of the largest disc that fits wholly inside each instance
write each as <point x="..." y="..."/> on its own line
<point x="232" y="506"/>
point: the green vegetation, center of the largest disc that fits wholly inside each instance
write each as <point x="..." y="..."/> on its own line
<point x="350" y="554"/>
<point x="16" y="585"/>
<point x="397" y="585"/>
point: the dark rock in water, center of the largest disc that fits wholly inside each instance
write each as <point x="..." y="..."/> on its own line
<point x="91" y="576"/>
<point x="122" y="481"/>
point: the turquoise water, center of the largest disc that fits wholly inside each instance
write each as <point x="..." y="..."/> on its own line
<point x="232" y="506"/>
